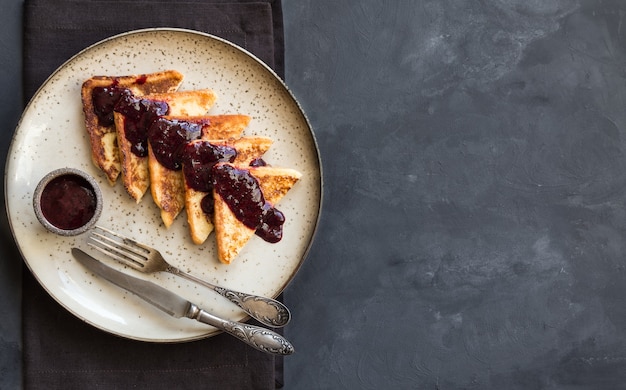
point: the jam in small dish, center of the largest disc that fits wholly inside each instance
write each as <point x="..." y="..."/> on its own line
<point x="67" y="201"/>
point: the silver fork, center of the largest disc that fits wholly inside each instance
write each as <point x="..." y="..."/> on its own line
<point x="148" y="260"/>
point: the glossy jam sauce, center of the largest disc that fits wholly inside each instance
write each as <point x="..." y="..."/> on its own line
<point x="68" y="202"/>
<point x="198" y="159"/>
<point x="104" y="100"/>
<point x="168" y="139"/>
<point x="258" y="162"/>
<point x="242" y="192"/>
<point x="140" y="113"/>
<point x="141" y="79"/>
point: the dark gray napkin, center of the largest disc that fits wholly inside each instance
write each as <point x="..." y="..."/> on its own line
<point x="54" y="30"/>
<point x="62" y="352"/>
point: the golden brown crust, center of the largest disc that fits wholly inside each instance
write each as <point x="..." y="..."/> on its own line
<point x="225" y="126"/>
<point x="103" y="141"/>
<point x="275" y="182"/>
<point x="230" y="233"/>
<point x="248" y="148"/>
<point x="135" y="175"/>
<point x="167" y="188"/>
<point x="187" y="103"/>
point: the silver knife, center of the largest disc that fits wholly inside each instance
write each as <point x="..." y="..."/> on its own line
<point x="257" y="337"/>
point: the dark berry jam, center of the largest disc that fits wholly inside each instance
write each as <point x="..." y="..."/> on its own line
<point x="198" y="161"/>
<point x="168" y="139"/>
<point x="68" y="202"/>
<point x="271" y="229"/>
<point x="139" y="113"/>
<point x="104" y="100"/>
<point x="242" y="193"/>
<point x="258" y="162"/>
<point x="207" y="204"/>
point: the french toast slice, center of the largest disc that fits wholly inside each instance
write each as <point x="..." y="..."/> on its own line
<point x="225" y="126"/>
<point x="99" y="121"/>
<point x="199" y="220"/>
<point x="135" y="165"/>
<point x="231" y="233"/>
<point x="166" y="177"/>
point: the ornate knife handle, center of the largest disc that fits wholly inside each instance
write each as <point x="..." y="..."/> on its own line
<point x="262" y="339"/>
<point x="267" y="311"/>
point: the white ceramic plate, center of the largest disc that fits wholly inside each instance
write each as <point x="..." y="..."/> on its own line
<point x="51" y="134"/>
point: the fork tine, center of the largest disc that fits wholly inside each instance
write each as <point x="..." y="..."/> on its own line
<point x="116" y="252"/>
<point x="123" y="259"/>
<point x="123" y="246"/>
<point x="126" y="240"/>
<point x="121" y="251"/>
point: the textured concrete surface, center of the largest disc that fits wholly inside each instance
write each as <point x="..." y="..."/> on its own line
<point x="473" y="229"/>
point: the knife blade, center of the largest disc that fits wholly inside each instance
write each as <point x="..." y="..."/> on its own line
<point x="257" y="337"/>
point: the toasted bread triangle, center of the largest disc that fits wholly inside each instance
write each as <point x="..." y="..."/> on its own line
<point x="135" y="169"/>
<point x="226" y="126"/>
<point x="166" y="185"/>
<point x="201" y="224"/>
<point x="231" y="234"/>
<point x="103" y="141"/>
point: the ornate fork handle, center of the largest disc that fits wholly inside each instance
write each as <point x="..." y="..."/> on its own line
<point x="268" y="311"/>
<point x="260" y="338"/>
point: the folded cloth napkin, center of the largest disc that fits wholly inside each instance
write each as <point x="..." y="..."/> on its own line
<point x="59" y="350"/>
<point x="54" y="30"/>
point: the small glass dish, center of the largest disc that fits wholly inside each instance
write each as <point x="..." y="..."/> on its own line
<point x="67" y="201"/>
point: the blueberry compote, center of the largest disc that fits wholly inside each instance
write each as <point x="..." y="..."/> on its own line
<point x="199" y="158"/>
<point x="104" y="100"/>
<point x="168" y="138"/>
<point x="139" y="112"/>
<point x="258" y="162"/>
<point x="242" y="192"/>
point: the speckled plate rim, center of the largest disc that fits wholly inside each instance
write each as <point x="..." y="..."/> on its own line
<point x="14" y="146"/>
